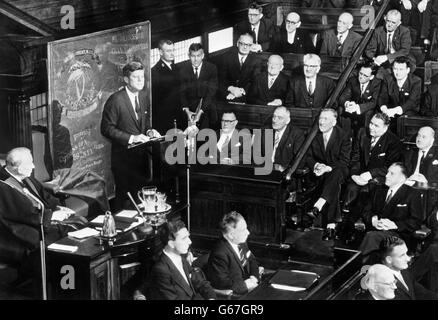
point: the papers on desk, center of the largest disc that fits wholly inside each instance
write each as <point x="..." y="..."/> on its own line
<point x="123" y="223"/>
<point x="83" y="233"/>
<point x="62" y="247"/>
<point x="293" y="280"/>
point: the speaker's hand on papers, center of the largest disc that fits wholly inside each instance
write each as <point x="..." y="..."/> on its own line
<point x="152" y="133"/>
<point x="140" y="138"/>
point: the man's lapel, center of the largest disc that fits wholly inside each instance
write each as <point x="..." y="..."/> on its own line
<point x="234" y="254"/>
<point x="130" y="108"/>
<point x="177" y="276"/>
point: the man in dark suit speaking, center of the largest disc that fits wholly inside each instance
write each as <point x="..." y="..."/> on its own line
<point x="124" y="123"/>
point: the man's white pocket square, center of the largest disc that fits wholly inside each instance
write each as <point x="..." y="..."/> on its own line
<point x="381" y="154"/>
<point x="435" y="162"/>
<point x="238" y="144"/>
<point x="402" y="205"/>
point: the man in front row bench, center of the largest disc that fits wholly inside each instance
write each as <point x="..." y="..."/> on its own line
<point x="20" y="212"/>
<point x="231" y="264"/>
<point x="395" y="209"/>
<point x="172" y="277"/>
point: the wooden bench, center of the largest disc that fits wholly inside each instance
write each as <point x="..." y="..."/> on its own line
<point x="408" y="126"/>
<point x="254" y="116"/>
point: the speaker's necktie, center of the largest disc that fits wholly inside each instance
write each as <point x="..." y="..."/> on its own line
<point x="196" y="73"/>
<point x="137" y="109"/>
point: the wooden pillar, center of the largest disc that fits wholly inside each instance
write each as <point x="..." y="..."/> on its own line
<point x="19" y="120"/>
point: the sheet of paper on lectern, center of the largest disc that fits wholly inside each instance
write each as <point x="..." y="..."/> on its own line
<point x="83" y="233"/>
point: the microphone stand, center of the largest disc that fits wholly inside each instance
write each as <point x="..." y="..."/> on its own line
<point x="42" y="242"/>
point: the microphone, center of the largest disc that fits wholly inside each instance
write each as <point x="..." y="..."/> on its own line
<point x="29" y="194"/>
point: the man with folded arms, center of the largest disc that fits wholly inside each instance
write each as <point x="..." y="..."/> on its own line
<point x="394" y="209"/>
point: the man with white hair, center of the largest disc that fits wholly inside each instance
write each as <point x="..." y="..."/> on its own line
<point x="379" y="283"/>
<point x="343" y="41"/>
<point x="310" y="90"/>
<point x="270" y="87"/>
<point x="389" y="41"/>
<point x="291" y="38"/>
<point x="422" y="160"/>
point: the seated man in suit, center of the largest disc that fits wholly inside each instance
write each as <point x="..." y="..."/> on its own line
<point x="374" y="151"/>
<point x="394" y="255"/>
<point x="231" y="265"/>
<point x="422" y="161"/>
<point x="328" y="158"/>
<point x="21" y="197"/>
<point x="359" y="99"/>
<point x="172" y="276"/>
<point x="343" y="41"/>
<point x="260" y="29"/>
<point x="401" y="93"/>
<point x="379" y="283"/>
<point x="238" y="69"/>
<point x="310" y="90"/>
<point x="199" y="82"/>
<point x="292" y="39"/>
<point x="233" y="146"/>
<point x="270" y="88"/>
<point x="394" y="209"/>
<point x="389" y="41"/>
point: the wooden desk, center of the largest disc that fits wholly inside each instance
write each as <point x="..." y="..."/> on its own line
<point x="100" y="271"/>
<point x="333" y="280"/>
<point x="219" y="189"/>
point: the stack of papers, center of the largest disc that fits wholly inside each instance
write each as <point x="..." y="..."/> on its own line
<point x="62" y="247"/>
<point x="293" y="280"/>
<point x="83" y="233"/>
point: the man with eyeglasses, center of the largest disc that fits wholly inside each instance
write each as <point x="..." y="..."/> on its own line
<point x="343" y="41"/>
<point x="291" y="38"/>
<point x="233" y="146"/>
<point x="261" y="29"/>
<point x="389" y="41"/>
<point x="238" y="68"/>
<point x="395" y="209"/>
<point x="394" y="254"/>
<point x="359" y="99"/>
<point x="310" y="90"/>
<point x="270" y="87"/>
<point x="401" y="92"/>
<point x="165" y="89"/>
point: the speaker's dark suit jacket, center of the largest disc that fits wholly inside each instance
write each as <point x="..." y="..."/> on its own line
<point x="167" y="283"/>
<point x="428" y="167"/>
<point x="166" y="105"/>
<point x="302" y="42"/>
<point x="367" y="102"/>
<point x="401" y="42"/>
<point x="408" y="97"/>
<point x="329" y="44"/>
<point x="225" y="271"/>
<point x="230" y="73"/>
<point x="415" y="290"/>
<point x="404" y="208"/>
<point x="266" y="30"/>
<point x="129" y="166"/>
<point x="299" y="97"/>
<point x="19" y="216"/>
<point x="205" y="87"/>
<point x="376" y="160"/>
<point x="260" y="93"/>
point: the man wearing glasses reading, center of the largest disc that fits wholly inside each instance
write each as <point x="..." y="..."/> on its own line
<point x="261" y="29"/>
<point x="237" y="70"/>
<point x="310" y="90"/>
<point x="389" y="41"/>
<point x="292" y="39"/>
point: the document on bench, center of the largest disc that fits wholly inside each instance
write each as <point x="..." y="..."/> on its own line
<point x="62" y="247"/>
<point x="293" y="280"/>
<point x="83" y="233"/>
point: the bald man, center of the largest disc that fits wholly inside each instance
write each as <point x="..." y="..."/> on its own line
<point x="270" y="87"/>
<point x="422" y="160"/>
<point x="291" y="38"/>
<point x="380" y="50"/>
<point x="343" y="41"/>
<point x="379" y="283"/>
